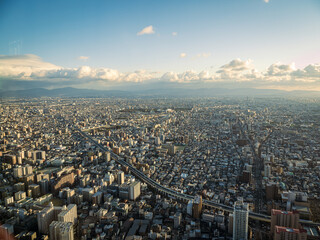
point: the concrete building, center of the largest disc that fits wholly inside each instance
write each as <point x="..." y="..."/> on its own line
<point x="177" y="220"/>
<point x="51" y="213"/>
<point x="197" y="207"/>
<point x="107" y="156"/>
<point x="120" y="177"/>
<point x="124" y="191"/>
<point x="68" y="214"/>
<point x="44" y="218"/>
<point x="240" y="220"/>
<point x="61" y="231"/>
<point x="284" y="233"/>
<point x="272" y="191"/>
<point x="134" y="190"/>
<point x="284" y="219"/>
<point x="20" y="195"/>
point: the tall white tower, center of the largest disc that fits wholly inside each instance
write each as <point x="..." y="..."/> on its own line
<point x="240" y="220"/>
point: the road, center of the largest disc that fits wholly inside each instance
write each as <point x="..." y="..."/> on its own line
<point x="171" y="193"/>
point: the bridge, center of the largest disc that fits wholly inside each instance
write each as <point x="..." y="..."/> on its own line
<point x="177" y="195"/>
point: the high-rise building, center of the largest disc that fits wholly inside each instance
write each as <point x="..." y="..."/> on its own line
<point x="44" y="186"/>
<point x="246" y="177"/>
<point x="44" y="218"/>
<point x="107" y="156"/>
<point x="35" y="188"/>
<point x="97" y="198"/>
<point x="8" y="200"/>
<point x="240" y="220"/>
<point x="284" y="219"/>
<point x="197" y="206"/>
<point x="285" y="233"/>
<point x="87" y="194"/>
<point x="11" y="159"/>
<point x="120" y="177"/>
<point x="124" y="191"/>
<point x="267" y="170"/>
<point x="39" y="155"/>
<point x="6" y="231"/>
<point x="17" y="172"/>
<point x="190" y="207"/>
<point x="109" y="178"/>
<point x="68" y="214"/>
<point x="116" y="150"/>
<point x="61" y="230"/>
<point x="272" y="191"/>
<point x="19" y="187"/>
<point x="134" y="190"/>
<point x="49" y="214"/>
<point x="63" y="181"/>
<point x="157" y="141"/>
<point x="177" y="220"/>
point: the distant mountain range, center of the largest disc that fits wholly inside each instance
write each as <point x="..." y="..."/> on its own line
<point x="164" y="92"/>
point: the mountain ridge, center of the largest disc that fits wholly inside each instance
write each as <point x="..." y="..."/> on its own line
<point x="162" y="92"/>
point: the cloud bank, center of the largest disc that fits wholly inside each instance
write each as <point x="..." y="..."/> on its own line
<point x="239" y="73"/>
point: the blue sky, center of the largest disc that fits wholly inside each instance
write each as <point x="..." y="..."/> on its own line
<point x="188" y="35"/>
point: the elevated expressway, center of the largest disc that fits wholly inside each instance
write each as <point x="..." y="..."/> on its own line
<point x="171" y="193"/>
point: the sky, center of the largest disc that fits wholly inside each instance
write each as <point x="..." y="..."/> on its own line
<point x="113" y="44"/>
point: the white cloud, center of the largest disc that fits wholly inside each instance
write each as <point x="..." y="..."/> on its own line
<point x="279" y="69"/>
<point x="84" y="58"/>
<point x="183" y="55"/>
<point x="146" y="30"/>
<point x="237" y="65"/>
<point x="24" y="66"/>
<point x="187" y="77"/>
<point x="266" y="1"/>
<point x="31" y="68"/>
<point x="174" y="33"/>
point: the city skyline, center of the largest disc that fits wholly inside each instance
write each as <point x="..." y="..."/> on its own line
<point x="121" y="45"/>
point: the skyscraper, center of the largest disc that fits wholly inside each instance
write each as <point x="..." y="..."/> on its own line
<point x="240" y="220"/>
